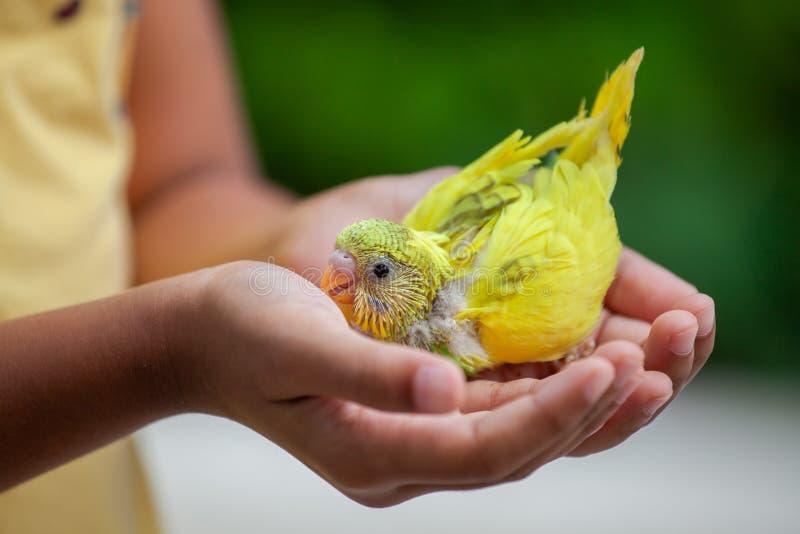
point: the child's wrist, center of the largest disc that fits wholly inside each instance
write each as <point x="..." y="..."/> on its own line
<point x="177" y="326"/>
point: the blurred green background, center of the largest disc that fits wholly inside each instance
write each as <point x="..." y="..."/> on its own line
<point x="708" y="187"/>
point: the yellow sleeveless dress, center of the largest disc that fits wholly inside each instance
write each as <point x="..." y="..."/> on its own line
<point x="64" y="228"/>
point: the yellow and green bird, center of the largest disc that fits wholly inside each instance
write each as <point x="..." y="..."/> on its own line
<point x="507" y="261"/>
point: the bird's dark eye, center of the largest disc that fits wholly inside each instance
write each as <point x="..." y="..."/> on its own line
<point x="380" y="270"/>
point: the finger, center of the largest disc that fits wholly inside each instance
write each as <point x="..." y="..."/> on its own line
<point x="515" y="371"/>
<point x="485" y="395"/>
<point x="485" y="446"/>
<point x="627" y="359"/>
<point x="391" y="450"/>
<point x="601" y="416"/>
<point x="670" y="346"/>
<point x="621" y="327"/>
<point x="381" y="375"/>
<point x="675" y="335"/>
<point x="510" y="437"/>
<point x="702" y="307"/>
<point x="703" y="347"/>
<point x="653" y="392"/>
<point x="643" y="289"/>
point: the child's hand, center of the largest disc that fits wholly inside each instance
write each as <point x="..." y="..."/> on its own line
<point x="676" y="326"/>
<point x="647" y="304"/>
<point x="265" y="347"/>
<point x="261" y="326"/>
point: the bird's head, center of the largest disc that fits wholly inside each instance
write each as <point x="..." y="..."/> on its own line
<point x="384" y="276"/>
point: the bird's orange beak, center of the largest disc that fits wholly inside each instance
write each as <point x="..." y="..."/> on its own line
<point x="339" y="279"/>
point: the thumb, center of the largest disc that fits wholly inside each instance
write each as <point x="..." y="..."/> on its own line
<point x="380" y="375"/>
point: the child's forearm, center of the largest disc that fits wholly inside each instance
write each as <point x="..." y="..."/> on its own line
<point x="74" y="379"/>
<point x="206" y="219"/>
<point x="194" y="189"/>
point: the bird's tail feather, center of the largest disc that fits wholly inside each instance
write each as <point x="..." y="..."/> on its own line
<point x="585" y="138"/>
<point x="610" y="113"/>
<point x="595" y="138"/>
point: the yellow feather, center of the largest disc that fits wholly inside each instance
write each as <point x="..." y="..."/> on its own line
<point x="540" y="257"/>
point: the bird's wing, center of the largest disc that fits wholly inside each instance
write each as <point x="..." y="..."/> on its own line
<point x="609" y="121"/>
<point x="465" y="206"/>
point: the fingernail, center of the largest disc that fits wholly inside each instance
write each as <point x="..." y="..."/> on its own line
<point x="705" y="321"/>
<point x="652" y="406"/>
<point x="433" y="389"/>
<point x="682" y="343"/>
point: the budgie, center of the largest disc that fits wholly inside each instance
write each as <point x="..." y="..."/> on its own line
<point x="507" y="261"/>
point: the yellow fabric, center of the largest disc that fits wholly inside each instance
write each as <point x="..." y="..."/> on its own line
<point x="64" y="228"/>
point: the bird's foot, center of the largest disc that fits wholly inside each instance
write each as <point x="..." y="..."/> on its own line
<point x="473" y="365"/>
<point x="582" y="350"/>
